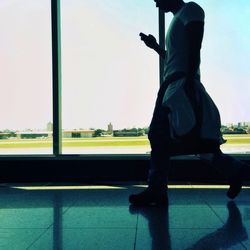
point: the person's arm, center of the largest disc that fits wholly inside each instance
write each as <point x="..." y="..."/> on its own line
<point x="160" y="51"/>
<point x="151" y="42"/>
<point x="194" y="33"/>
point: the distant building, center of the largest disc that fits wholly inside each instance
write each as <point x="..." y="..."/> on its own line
<point x="244" y="124"/>
<point x="110" y="128"/>
<point x="234" y="130"/>
<point x="128" y="133"/>
<point x="78" y="133"/>
<point x="33" y="134"/>
<point x="49" y="126"/>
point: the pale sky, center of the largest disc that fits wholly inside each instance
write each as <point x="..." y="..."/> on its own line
<point x="108" y="74"/>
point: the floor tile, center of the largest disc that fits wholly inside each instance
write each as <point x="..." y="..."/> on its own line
<point x="237" y="219"/>
<point x="30" y="209"/>
<point x="186" y="239"/>
<point x="99" y="217"/>
<point x="26" y="217"/>
<point x="179" y="217"/>
<point x="87" y="239"/>
<point x="102" y="197"/>
<point x="185" y="196"/>
<point x="233" y="212"/>
<point x="19" y="239"/>
<point x="216" y="196"/>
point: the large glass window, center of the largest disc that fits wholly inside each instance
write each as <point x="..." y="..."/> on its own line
<point x="109" y="77"/>
<point x="26" y="89"/>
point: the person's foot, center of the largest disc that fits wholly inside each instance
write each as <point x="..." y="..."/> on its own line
<point x="237" y="182"/>
<point x="149" y="197"/>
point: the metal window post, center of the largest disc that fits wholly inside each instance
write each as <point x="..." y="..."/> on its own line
<point x="161" y="41"/>
<point x="56" y="74"/>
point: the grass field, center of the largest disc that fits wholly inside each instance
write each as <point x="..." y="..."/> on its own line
<point x="102" y="142"/>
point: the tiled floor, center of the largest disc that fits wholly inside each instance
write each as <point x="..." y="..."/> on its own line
<point x="50" y="217"/>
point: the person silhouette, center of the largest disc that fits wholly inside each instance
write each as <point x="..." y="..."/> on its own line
<point x="185" y="119"/>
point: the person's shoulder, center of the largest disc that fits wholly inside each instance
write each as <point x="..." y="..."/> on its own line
<point x="193" y="12"/>
<point x="194" y="8"/>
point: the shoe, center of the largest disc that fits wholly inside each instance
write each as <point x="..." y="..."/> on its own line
<point x="237" y="182"/>
<point x="149" y="197"/>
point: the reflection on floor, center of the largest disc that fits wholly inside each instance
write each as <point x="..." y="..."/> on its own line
<point x="77" y="217"/>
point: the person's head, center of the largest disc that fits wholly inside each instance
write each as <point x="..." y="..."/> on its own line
<point x="168" y="5"/>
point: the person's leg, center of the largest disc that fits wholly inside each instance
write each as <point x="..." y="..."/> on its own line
<point x="159" y="168"/>
<point x="226" y="164"/>
<point x="156" y="192"/>
<point x="233" y="169"/>
<point x="159" y="137"/>
<point x="160" y="160"/>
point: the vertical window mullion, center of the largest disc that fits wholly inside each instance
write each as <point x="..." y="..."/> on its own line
<point x="56" y="74"/>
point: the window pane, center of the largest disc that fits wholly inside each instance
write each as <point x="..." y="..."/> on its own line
<point x="109" y="77"/>
<point x="26" y="93"/>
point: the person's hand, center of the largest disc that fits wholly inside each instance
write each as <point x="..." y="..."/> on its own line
<point x="149" y="40"/>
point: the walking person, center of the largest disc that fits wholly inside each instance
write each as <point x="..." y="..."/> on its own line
<point x="180" y="118"/>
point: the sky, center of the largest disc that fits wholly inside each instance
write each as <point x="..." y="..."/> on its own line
<point x="108" y="74"/>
